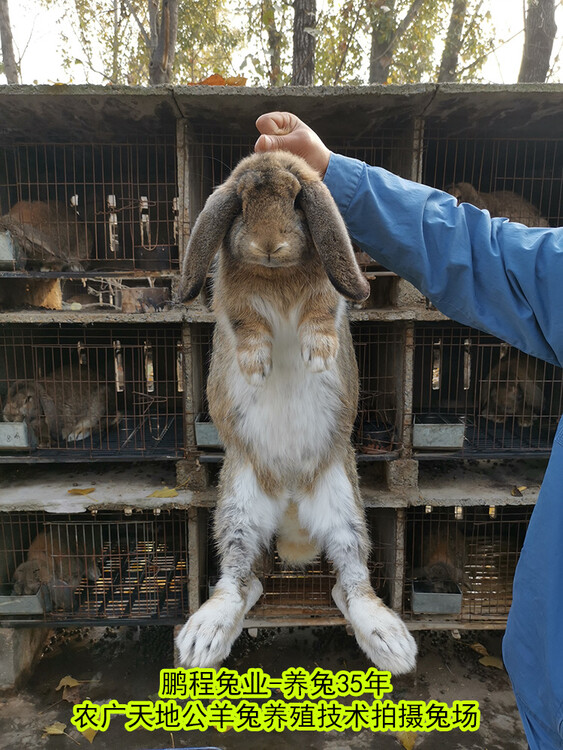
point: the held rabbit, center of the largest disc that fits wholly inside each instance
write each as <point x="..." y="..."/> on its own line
<point x="503" y="203"/>
<point x="49" y="234"/>
<point x="55" y="565"/>
<point x="68" y="405"/>
<point x="282" y="391"/>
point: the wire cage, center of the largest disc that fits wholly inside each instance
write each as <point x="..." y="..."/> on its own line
<point x="518" y="178"/>
<point x="109" y="566"/>
<point x="473" y="395"/>
<point x="70" y="393"/>
<point x="95" y="208"/>
<point x="460" y="561"/>
<point x="379" y="348"/>
<point x="296" y="593"/>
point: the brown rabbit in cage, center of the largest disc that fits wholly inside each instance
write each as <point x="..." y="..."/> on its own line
<point x="57" y="561"/>
<point x="503" y="203"/>
<point x="511" y="391"/>
<point x="64" y="407"/>
<point x="49" y="234"/>
<point x="283" y="392"/>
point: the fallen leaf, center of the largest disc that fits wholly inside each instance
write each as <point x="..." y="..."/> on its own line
<point x="89" y="734"/>
<point x="213" y="80"/>
<point x="516" y="492"/>
<point x="165" y="492"/>
<point x="236" y="81"/>
<point x="78" y="491"/>
<point x="56" y="728"/>
<point x="67" y="681"/>
<point x="480" y="649"/>
<point x="407" y="739"/>
<point x="492" y="661"/>
<point x="72" y="694"/>
<point x="522" y="488"/>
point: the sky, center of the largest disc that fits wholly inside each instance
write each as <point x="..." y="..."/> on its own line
<point x="35" y="35"/>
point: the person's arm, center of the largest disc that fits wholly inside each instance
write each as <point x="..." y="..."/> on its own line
<point x="492" y="274"/>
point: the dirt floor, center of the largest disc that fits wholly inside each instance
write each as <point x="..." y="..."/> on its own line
<point x="124" y="664"/>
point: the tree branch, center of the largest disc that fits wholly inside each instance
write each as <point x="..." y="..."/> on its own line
<point x="144" y="34"/>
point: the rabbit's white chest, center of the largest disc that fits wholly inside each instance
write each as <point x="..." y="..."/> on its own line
<point x="289" y="419"/>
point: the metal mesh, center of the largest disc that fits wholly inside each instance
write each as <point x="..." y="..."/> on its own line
<point x="91" y="207"/>
<point x="70" y="393"/>
<point x="475" y="395"/>
<point x="528" y="169"/>
<point x="475" y="548"/>
<point x="296" y="592"/>
<point x="107" y="567"/>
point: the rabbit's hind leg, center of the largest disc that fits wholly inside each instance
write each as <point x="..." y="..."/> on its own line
<point x="333" y="514"/>
<point x="245" y="521"/>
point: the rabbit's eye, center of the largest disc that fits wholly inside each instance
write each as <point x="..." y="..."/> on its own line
<point x="29" y="399"/>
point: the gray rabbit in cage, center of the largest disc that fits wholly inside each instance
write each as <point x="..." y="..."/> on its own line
<point x="56" y="564"/>
<point x="511" y="391"/>
<point x="283" y="392"/>
<point x="68" y="405"/>
<point x="503" y="203"/>
<point x="50" y="234"/>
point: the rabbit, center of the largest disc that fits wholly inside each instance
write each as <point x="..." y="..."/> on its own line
<point x="283" y="391"/>
<point x="55" y="566"/>
<point x="443" y="558"/>
<point x="66" y="406"/>
<point x="499" y="203"/>
<point x="511" y="390"/>
<point x="50" y="234"/>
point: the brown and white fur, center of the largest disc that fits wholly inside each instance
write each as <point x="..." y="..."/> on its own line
<point x="67" y="405"/>
<point x="282" y="391"/>
<point x="55" y="565"/>
<point x="503" y="203"/>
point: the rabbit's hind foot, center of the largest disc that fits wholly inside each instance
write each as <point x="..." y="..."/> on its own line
<point x="208" y="636"/>
<point x="380" y="632"/>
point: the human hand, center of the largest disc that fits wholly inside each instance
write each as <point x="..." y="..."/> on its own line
<point x="286" y="132"/>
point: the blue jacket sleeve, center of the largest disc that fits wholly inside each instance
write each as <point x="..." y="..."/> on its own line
<point x="491" y="274"/>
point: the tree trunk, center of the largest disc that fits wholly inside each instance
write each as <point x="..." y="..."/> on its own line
<point x="275" y="38"/>
<point x="539" y="33"/>
<point x="163" y="52"/>
<point x="452" y="48"/>
<point x="8" y="59"/>
<point x="304" y="42"/>
<point x="384" y="38"/>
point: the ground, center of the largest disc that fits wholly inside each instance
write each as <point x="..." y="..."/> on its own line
<point x="124" y="664"/>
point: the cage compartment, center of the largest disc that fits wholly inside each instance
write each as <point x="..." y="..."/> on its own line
<point x="109" y="567"/>
<point x="514" y="176"/>
<point x="99" y="393"/>
<point x="468" y="554"/>
<point x="379" y="355"/>
<point x="508" y="402"/>
<point x="91" y="207"/>
<point x="295" y="593"/>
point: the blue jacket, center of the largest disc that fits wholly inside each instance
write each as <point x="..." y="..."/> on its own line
<point x="506" y="279"/>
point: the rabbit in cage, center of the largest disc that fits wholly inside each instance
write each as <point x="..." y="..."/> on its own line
<point x="57" y="561"/>
<point x="442" y="558"/>
<point x="49" y="234"/>
<point x="503" y="203"/>
<point x="68" y="405"/>
<point x="511" y="390"/>
<point x="283" y="391"/>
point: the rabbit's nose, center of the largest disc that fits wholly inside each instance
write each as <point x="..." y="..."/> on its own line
<point x="277" y="247"/>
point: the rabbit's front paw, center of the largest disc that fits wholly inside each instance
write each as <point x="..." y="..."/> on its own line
<point x="380" y="632"/>
<point x="319" y="351"/>
<point x="255" y="364"/>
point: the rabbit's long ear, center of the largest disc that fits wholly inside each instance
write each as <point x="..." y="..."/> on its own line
<point x="16" y="386"/>
<point x="332" y="241"/>
<point x="50" y="412"/>
<point x="207" y="235"/>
